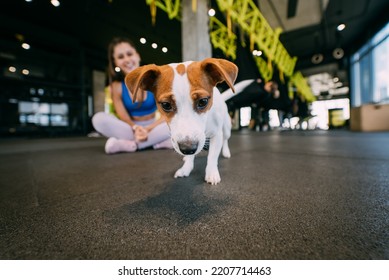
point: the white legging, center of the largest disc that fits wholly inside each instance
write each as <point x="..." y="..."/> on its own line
<point x="110" y="126"/>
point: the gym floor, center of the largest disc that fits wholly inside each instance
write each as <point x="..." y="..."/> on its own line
<point x="284" y="195"/>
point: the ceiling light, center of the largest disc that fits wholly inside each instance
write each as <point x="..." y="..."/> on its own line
<point x="211" y="12"/>
<point x="12" y="69"/>
<point x="338" y="53"/>
<point x="55" y="3"/>
<point x="341" y="27"/>
<point x="317" y="58"/>
<point x="257" y="53"/>
<point x="117" y="69"/>
<point x="164" y="49"/>
<point x="25" y="72"/>
<point x="25" y="46"/>
<point x="143" y="40"/>
<point x="154" y="45"/>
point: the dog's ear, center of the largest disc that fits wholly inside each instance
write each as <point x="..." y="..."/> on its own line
<point x="142" y="78"/>
<point x="220" y="70"/>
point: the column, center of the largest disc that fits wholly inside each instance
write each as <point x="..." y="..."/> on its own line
<point x="196" y="44"/>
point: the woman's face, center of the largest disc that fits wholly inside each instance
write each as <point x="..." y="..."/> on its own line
<point x="126" y="57"/>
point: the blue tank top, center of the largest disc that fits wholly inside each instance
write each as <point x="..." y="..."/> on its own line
<point x="147" y="107"/>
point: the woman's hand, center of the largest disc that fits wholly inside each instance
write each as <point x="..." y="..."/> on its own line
<point x="140" y="133"/>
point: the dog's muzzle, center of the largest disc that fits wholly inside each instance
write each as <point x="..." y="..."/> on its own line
<point x="188" y="147"/>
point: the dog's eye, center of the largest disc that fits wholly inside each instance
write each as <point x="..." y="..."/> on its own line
<point x="202" y="103"/>
<point x="167" y="106"/>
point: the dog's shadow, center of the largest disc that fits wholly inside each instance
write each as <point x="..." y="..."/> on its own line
<point x="182" y="202"/>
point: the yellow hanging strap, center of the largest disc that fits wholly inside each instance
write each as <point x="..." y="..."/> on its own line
<point x="251" y="41"/>
<point x="153" y="11"/>
<point x="220" y="39"/>
<point x="269" y="64"/>
<point x="171" y="7"/>
<point x="282" y="78"/>
<point x="194" y="6"/>
<point x="263" y="67"/>
<point x="247" y="15"/>
<point x="229" y="24"/>
<point x="302" y="87"/>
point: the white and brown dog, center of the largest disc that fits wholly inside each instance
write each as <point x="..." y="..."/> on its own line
<point x="193" y="107"/>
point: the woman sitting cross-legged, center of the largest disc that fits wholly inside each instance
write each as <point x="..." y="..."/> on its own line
<point x="134" y="125"/>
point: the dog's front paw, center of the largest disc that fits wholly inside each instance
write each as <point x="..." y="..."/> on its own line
<point x="226" y="152"/>
<point x="182" y="172"/>
<point x="212" y="177"/>
<point x="187" y="168"/>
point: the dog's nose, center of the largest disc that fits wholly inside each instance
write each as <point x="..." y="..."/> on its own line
<point x="188" y="147"/>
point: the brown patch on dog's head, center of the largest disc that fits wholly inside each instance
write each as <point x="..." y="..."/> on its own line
<point x="158" y="80"/>
<point x="142" y="78"/>
<point x="181" y="69"/>
<point x="205" y="75"/>
<point x="220" y="70"/>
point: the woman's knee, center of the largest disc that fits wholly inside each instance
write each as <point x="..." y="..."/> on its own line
<point x="98" y="119"/>
<point x="163" y="129"/>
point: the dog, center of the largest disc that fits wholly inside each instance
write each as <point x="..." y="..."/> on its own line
<point x="187" y="97"/>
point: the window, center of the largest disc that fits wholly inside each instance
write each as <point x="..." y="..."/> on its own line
<point x="43" y="114"/>
<point x="370" y="71"/>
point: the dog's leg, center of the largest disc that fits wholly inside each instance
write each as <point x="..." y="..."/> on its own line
<point x="226" y="135"/>
<point x="212" y="175"/>
<point x="226" y="149"/>
<point x="185" y="170"/>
